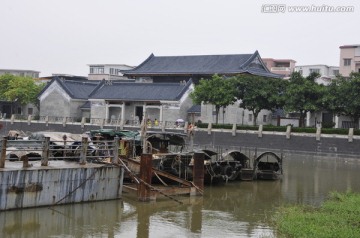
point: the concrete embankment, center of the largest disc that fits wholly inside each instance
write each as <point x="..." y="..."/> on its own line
<point x="325" y="145"/>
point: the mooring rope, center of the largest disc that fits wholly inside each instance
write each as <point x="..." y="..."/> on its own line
<point x="81" y="184"/>
<point x="162" y="181"/>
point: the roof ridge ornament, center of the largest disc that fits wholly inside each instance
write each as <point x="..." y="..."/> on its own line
<point x="256" y="63"/>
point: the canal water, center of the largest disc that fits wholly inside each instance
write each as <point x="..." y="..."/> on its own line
<point x="237" y="209"/>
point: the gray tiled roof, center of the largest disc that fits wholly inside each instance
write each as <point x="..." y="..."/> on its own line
<point x="79" y="90"/>
<point x="75" y="89"/>
<point x="262" y="73"/>
<point x="86" y="106"/>
<point x="140" y="91"/>
<point x="195" y="109"/>
<point x="198" y="64"/>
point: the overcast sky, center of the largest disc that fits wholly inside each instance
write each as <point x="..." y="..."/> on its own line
<point x="64" y="36"/>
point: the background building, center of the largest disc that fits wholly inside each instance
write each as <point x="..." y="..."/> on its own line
<point x="108" y="71"/>
<point x="327" y="73"/>
<point x="175" y="69"/>
<point x="178" y="69"/>
<point x="349" y="59"/>
<point x="283" y="67"/>
<point x="21" y="72"/>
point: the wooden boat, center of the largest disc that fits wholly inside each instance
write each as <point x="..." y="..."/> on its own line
<point x="268" y="166"/>
<point x="213" y="171"/>
<point x="237" y="162"/>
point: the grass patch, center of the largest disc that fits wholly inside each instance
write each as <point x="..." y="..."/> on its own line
<point x="339" y="216"/>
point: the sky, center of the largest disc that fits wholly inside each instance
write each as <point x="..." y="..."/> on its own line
<point x="65" y="36"/>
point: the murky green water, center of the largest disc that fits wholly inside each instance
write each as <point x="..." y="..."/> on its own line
<point x="240" y="209"/>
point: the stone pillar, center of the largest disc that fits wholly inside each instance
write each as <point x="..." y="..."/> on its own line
<point x="337" y="122"/>
<point x="351" y="134"/>
<point x="46" y="152"/>
<point x="29" y="120"/>
<point x="83" y="120"/>
<point x="308" y="117"/>
<point x="83" y="153"/>
<point x="106" y="111"/>
<point x="288" y="132"/>
<point x="233" y="131"/>
<point x="122" y="123"/>
<point x="260" y="131"/>
<point x="64" y="122"/>
<point x="161" y="115"/>
<point x="318" y="133"/>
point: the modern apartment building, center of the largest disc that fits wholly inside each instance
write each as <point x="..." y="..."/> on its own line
<point x="349" y="59"/>
<point x="280" y="66"/>
<point x="108" y="71"/>
<point x="20" y="72"/>
<point x="327" y="72"/>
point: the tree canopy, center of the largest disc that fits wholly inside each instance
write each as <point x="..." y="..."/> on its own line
<point x="299" y="94"/>
<point x="257" y="93"/>
<point x="218" y="91"/>
<point x="303" y="95"/>
<point x="21" y="89"/>
<point x="343" y="97"/>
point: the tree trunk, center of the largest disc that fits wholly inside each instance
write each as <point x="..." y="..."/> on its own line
<point x="301" y="122"/>
<point x="256" y="113"/>
<point x="217" y="109"/>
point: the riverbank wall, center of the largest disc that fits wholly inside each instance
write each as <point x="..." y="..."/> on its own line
<point x="286" y="142"/>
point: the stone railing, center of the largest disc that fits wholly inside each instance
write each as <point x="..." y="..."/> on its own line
<point x="93" y="121"/>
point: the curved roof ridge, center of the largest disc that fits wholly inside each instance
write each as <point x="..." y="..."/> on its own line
<point x="140" y="65"/>
<point x="101" y="83"/>
<point x="64" y="86"/>
<point x="185" y="88"/>
<point x="256" y="55"/>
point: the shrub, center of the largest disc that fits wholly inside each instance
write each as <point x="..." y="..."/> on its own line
<point x="303" y="129"/>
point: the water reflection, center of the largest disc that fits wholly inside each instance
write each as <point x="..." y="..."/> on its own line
<point x="240" y="209"/>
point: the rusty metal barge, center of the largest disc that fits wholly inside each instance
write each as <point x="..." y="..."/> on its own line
<point x="46" y="172"/>
<point x="30" y="175"/>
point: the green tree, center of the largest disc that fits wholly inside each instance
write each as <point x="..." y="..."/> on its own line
<point x="218" y="91"/>
<point x="24" y="90"/>
<point x="330" y="100"/>
<point x="4" y="84"/>
<point x="303" y="95"/>
<point x="342" y="97"/>
<point x="257" y="93"/>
